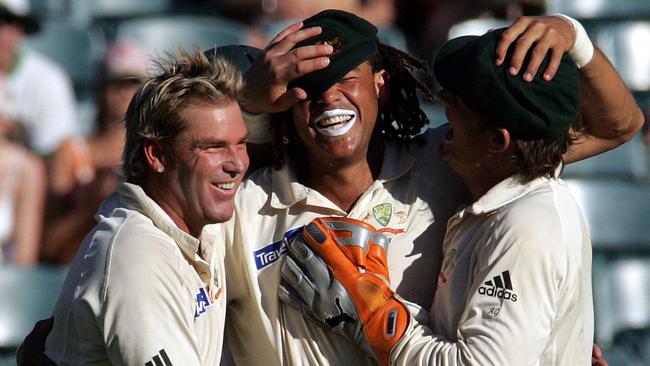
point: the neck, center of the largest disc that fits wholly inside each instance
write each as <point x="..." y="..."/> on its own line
<point x="487" y="177"/>
<point x="155" y="189"/>
<point x="344" y="182"/>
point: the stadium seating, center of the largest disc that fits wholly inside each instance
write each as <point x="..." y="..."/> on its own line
<point x="618" y="215"/>
<point x="617" y="212"/>
<point x="599" y="8"/>
<point x="627" y="162"/>
<point x="26" y="295"/>
<point x="76" y="49"/>
<point x="160" y="34"/>
<point x="86" y="12"/>
<point x="623" y="41"/>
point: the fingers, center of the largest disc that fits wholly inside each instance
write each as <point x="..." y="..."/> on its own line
<point x="291" y="37"/>
<point x="536" y="37"/>
<point x="290" y="63"/>
<point x="553" y="64"/>
<point x="303" y="60"/>
<point x="291" y="97"/>
<point x="311" y="266"/>
<point x="508" y="37"/>
<point x="522" y="46"/>
<point x="302" y="288"/>
<point x="597" y="357"/>
<point x="285" y="32"/>
<point x="539" y="50"/>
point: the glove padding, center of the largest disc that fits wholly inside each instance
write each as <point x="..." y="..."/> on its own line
<point x="337" y="274"/>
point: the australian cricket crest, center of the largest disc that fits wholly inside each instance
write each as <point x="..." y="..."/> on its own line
<point x="382" y="213"/>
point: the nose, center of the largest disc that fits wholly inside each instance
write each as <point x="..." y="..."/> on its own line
<point x="237" y="161"/>
<point x="330" y="96"/>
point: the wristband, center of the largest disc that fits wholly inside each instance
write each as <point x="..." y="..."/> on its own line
<point x="583" y="50"/>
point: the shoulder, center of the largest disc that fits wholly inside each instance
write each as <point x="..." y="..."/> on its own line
<point x="544" y="221"/>
<point x="139" y="246"/>
<point x="125" y="248"/>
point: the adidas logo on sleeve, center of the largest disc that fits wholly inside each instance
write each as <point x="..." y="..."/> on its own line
<point x="161" y="359"/>
<point x="499" y="286"/>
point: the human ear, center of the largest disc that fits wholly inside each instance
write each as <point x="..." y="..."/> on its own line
<point x="380" y="81"/>
<point x="153" y="152"/>
<point x="500" y="141"/>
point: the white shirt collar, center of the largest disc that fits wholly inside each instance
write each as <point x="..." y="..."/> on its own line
<point x="188" y="244"/>
<point x="287" y="191"/>
<point x="505" y="192"/>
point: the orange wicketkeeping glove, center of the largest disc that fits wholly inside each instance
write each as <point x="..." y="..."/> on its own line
<point x="337" y="274"/>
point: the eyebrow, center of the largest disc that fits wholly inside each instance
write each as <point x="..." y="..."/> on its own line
<point x="200" y="143"/>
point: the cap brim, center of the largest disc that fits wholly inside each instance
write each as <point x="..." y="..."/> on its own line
<point x="240" y="56"/>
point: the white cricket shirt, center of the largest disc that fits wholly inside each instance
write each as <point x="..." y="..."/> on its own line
<point x="140" y="291"/>
<point x="515" y="284"/>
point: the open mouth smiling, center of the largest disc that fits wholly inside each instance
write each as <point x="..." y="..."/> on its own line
<point x="334" y="122"/>
<point x="226" y="186"/>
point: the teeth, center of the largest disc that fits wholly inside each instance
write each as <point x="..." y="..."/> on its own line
<point x="226" y="185"/>
<point x="328" y="122"/>
<point x="335" y="122"/>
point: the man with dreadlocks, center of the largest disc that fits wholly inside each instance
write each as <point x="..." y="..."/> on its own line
<point x="347" y="145"/>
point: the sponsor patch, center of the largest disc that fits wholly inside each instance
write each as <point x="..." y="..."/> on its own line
<point x="272" y="252"/>
<point x="382" y="213"/>
<point x="202" y="302"/>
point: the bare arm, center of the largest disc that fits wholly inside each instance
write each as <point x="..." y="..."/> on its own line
<point x="29" y="211"/>
<point x="610" y="113"/>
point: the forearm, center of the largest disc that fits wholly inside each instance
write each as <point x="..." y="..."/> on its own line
<point x="29" y="217"/>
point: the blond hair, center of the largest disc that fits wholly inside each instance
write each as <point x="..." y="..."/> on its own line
<point x="154" y="113"/>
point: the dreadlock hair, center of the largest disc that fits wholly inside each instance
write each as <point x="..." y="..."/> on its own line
<point x="400" y="116"/>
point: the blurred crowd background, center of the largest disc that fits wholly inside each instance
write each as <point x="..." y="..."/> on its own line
<point x="68" y="69"/>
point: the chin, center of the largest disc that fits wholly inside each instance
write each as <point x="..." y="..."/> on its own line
<point x="222" y="214"/>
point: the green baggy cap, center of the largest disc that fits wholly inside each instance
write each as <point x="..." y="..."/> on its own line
<point x="465" y="66"/>
<point x="354" y="40"/>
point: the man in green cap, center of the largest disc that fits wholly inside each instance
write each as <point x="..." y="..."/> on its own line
<point x="515" y="286"/>
<point x="347" y="145"/>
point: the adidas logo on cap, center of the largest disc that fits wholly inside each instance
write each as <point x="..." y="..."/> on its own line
<point x="499" y="286"/>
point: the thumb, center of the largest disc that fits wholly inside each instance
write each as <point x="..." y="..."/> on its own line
<point x="289" y="98"/>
